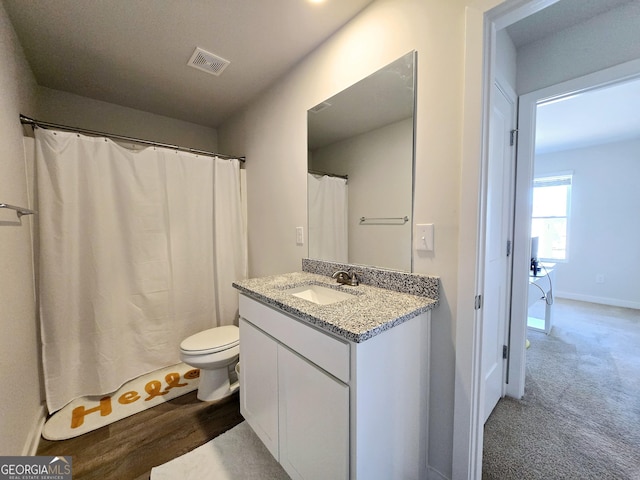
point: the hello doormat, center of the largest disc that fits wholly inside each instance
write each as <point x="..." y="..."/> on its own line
<point x="85" y="414"/>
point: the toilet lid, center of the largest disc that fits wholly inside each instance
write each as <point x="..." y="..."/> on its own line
<point x="212" y="340"/>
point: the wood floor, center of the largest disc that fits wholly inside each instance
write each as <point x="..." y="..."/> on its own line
<point x="129" y="448"/>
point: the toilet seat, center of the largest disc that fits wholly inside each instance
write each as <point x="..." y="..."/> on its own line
<point x="213" y="340"/>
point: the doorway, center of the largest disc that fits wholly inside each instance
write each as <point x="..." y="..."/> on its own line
<point x="529" y="103"/>
<point x="483" y="19"/>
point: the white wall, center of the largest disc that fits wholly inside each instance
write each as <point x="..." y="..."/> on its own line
<point x="72" y="110"/>
<point x="604" y="225"/>
<point x="20" y="395"/>
<point x="604" y="41"/>
<point x="272" y="133"/>
<point x="379" y="165"/>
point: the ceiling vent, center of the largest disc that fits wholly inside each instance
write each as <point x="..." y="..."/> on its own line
<point x="319" y="107"/>
<point x="207" y="62"/>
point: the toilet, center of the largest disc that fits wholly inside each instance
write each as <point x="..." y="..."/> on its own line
<point x="214" y="352"/>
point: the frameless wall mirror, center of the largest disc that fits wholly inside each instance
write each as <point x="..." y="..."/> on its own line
<point x="360" y="164"/>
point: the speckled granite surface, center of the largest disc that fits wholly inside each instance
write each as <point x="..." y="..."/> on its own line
<point x="371" y="311"/>
<point x="413" y="283"/>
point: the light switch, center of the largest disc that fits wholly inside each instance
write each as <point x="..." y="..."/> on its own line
<point x="299" y="236"/>
<point x="423" y="240"/>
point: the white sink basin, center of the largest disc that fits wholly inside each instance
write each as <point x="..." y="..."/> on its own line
<point x="319" y="294"/>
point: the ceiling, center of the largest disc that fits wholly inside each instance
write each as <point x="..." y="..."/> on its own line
<point x="384" y="97"/>
<point x="601" y="115"/>
<point x="597" y="116"/>
<point x="557" y="17"/>
<point x="135" y="53"/>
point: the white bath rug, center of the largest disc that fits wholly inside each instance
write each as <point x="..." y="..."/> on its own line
<point x="235" y="455"/>
<point x="85" y="414"/>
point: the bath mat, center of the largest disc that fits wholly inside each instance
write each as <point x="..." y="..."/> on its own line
<point x="235" y="455"/>
<point x="85" y="414"/>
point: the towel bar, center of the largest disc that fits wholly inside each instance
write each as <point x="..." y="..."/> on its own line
<point x="20" y="211"/>
<point x="385" y="220"/>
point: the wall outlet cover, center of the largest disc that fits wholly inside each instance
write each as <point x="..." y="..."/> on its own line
<point x="423" y="240"/>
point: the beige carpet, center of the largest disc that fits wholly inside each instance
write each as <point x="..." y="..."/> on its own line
<point x="580" y="416"/>
<point x="235" y="455"/>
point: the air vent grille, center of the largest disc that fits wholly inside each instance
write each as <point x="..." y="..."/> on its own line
<point x="207" y="62"/>
<point x="319" y="107"/>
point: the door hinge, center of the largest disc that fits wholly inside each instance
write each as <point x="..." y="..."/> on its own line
<point x="513" y="137"/>
<point x="508" y="247"/>
<point x="478" y="302"/>
<point x="505" y="351"/>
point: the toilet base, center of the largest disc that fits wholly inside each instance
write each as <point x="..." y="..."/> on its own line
<point x="215" y="384"/>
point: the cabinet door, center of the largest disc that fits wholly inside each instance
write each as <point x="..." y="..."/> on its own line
<point x="314" y="420"/>
<point x="259" y="384"/>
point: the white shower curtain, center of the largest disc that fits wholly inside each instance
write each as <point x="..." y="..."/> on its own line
<point x="138" y="249"/>
<point x="328" y="213"/>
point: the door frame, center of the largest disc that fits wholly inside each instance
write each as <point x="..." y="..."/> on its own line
<point x="524" y="191"/>
<point x="483" y="18"/>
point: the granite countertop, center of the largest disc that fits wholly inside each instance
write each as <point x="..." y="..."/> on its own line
<point x="371" y="311"/>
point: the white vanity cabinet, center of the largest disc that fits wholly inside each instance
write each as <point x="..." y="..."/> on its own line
<point x="259" y="382"/>
<point x="327" y="408"/>
<point x="300" y="412"/>
<point x="314" y="420"/>
<point x="298" y="409"/>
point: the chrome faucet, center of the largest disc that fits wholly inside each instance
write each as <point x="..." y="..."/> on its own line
<point x="346" y="278"/>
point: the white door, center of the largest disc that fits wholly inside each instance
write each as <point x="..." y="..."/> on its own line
<point x="499" y="224"/>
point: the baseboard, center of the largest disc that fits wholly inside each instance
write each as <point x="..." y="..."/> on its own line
<point x="433" y="474"/>
<point x="33" y="440"/>
<point x="613" y="302"/>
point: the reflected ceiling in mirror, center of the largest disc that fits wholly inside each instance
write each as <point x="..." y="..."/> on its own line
<point x="360" y="163"/>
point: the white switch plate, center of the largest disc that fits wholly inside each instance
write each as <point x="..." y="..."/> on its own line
<point x="299" y="236"/>
<point x="423" y="240"/>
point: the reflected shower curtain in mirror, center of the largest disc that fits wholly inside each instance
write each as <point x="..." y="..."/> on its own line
<point x="328" y="226"/>
<point x="138" y="249"/>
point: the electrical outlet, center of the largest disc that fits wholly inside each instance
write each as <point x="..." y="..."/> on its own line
<point x="299" y="236"/>
<point x="600" y="278"/>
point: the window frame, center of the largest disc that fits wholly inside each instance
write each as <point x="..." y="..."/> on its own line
<point x="548" y="180"/>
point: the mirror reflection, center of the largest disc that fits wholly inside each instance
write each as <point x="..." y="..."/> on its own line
<point x="360" y="164"/>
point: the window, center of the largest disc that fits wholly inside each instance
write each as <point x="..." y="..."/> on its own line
<point x="550" y="218"/>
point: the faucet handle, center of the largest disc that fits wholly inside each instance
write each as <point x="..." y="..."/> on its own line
<point x="342" y="277"/>
<point x="347" y="278"/>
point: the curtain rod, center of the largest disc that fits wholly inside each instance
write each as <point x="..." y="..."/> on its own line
<point x="37" y="123"/>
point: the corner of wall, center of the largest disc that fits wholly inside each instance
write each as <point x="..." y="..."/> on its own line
<point x="20" y="396"/>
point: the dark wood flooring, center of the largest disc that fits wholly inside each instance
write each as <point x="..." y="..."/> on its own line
<point x="129" y="448"/>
